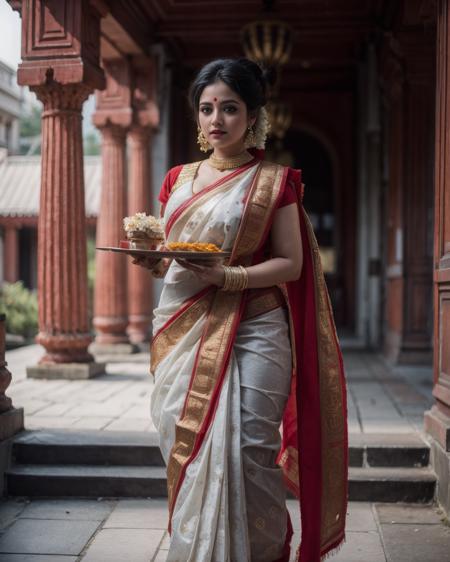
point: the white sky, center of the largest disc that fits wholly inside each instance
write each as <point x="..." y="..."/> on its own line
<point x="9" y="35"/>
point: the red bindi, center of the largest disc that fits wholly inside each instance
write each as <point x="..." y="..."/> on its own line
<point x="215" y="99"/>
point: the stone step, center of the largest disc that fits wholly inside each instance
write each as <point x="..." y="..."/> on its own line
<point x="365" y="484"/>
<point x="386" y="484"/>
<point x="88" y="447"/>
<point x="389" y="450"/>
<point x="128" y="448"/>
<point x="86" y="481"/>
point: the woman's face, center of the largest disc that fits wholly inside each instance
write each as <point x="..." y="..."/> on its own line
<point x="223" y="117"/>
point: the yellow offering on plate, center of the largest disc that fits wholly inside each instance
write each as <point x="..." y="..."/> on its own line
<point x="192" y="247"/>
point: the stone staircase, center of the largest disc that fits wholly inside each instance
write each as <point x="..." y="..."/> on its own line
<point x="384" y="468"/>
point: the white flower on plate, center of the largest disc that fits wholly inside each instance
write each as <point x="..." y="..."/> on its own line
<point x="144" y="223"/>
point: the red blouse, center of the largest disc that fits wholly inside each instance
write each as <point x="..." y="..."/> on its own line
<point x="293" y="183"/>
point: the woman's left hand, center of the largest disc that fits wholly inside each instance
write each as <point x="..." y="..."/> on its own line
<point x="208" y="272"/>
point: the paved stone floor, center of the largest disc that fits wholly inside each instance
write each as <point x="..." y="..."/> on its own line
<point x="133" y="530"/>
<point x="380" y="400"/>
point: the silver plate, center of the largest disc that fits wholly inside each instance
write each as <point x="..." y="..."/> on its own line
<point x="166" y="253"/>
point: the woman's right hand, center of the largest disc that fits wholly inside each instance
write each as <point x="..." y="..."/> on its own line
<point x="146" y="261"/>
<point x="151" y="263"/>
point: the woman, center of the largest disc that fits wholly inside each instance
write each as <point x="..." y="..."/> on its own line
<point x="238" y="349"/>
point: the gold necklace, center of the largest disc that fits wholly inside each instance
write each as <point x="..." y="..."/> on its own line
<point x="231" y="162"/>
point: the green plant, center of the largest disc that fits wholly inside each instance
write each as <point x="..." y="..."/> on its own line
<point x="30" y="123"/>
<point x="91" y="145"/>
<point x="21" y="309"/>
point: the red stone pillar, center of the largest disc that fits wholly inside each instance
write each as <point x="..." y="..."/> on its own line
<point x="62" y="274"/>
<point x="140" y="293"/>
<point x="145" y="118"/>
<point x="60" y="62"/>
<point x="110" y="296"/>
<point x="437" y="420"/>
<point x="113" y="117"/>
<point x="11" y="254"/>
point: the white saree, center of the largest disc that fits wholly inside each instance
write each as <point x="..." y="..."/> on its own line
<point x="230" y="506"/>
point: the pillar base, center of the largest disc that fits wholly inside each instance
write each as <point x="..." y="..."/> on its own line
<point x="113" y="348"/>
<point x="11" y="422"/>
<point x="440" y="461"/>
<point x="437" y="425"/>
<point x="66" y="371"/>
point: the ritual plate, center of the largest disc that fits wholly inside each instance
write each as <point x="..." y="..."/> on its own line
<point x="158" y="254"/>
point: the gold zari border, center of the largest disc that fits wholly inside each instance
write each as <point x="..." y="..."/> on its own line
<point x="166" y="340"/>
<point x="333" y="426"/>
<point x="262" y="303"/>
<point x="263" y="195"/>
<point x="186" y="174"/>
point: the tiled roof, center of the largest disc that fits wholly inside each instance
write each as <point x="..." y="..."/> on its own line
<point x="20" y="178"/>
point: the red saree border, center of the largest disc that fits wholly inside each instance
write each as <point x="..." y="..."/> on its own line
<point x="194" y="197"/>
<point x="192" y="300"/>
<point x="169" y="334"/>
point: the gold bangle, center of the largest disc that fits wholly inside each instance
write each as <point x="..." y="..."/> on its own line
<point x="227" y="278"/>
<point x="244" y="278"/>
<point x="235" y="278"/>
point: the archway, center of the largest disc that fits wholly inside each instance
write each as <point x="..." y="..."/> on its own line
<point x="319" y="165"/>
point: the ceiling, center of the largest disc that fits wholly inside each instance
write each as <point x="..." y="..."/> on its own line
<point x="328" y="34"/>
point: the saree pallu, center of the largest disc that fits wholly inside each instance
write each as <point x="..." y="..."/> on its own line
<point x="196" y="398"/>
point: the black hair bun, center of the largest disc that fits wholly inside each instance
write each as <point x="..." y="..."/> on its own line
<point x="258" y="72"/>
<point x="241" y="75"/>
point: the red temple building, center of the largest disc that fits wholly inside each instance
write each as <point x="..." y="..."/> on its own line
<point x="368" y="87"/>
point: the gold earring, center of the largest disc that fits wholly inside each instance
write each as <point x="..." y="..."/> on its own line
<point x="201" y="140"/>
<point x="250" y="138"/>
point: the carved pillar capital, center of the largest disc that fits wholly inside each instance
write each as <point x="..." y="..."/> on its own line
<point x="139" y="135"/>
<point x="61" y="98"/>
<point x="146" y="111"/>
<point x="113" y="134"/>
<point x="113" y="104"/>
